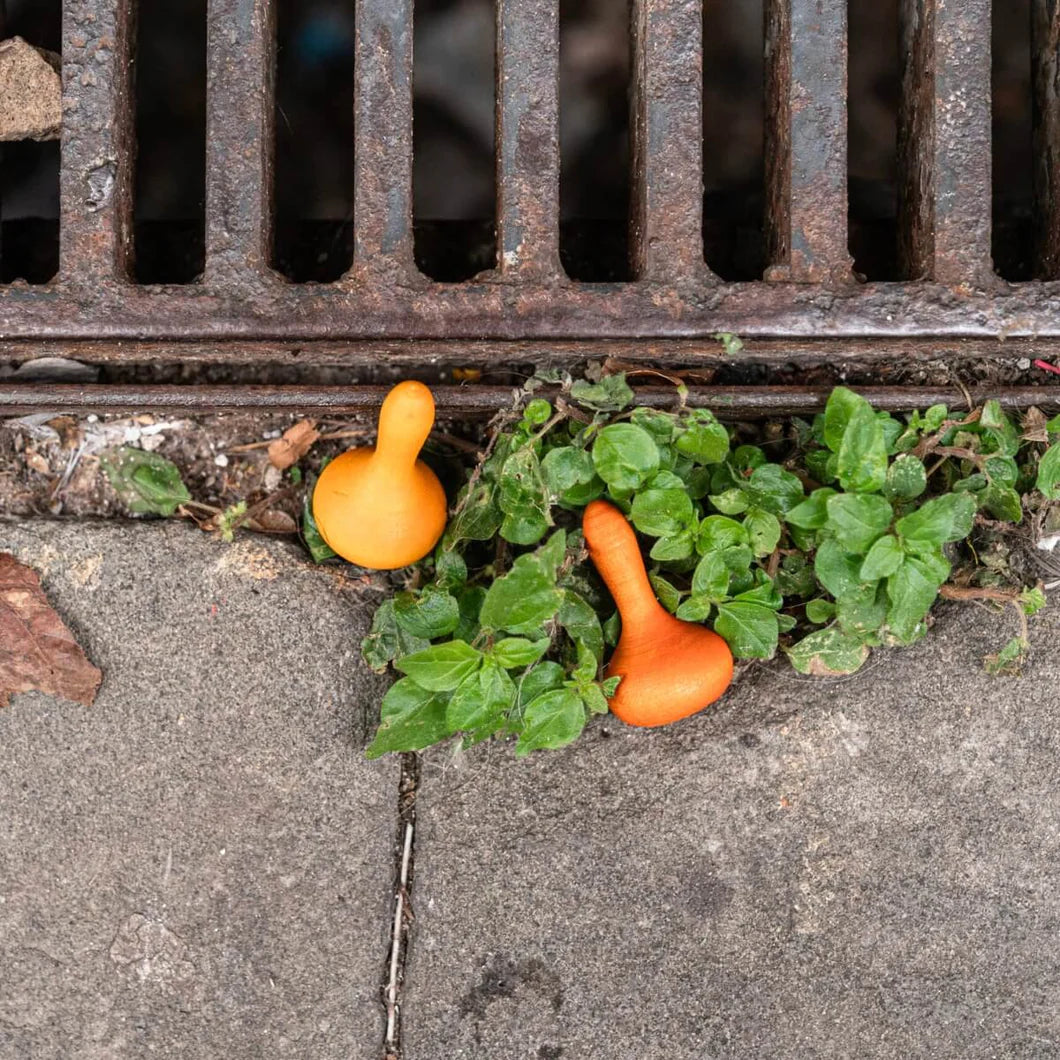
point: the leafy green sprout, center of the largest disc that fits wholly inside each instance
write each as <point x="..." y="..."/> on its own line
<point x="839" y="544"/>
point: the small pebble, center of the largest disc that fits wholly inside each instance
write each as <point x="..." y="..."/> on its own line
<point x="1023" y="364"/>
<point x="221" y="460"/>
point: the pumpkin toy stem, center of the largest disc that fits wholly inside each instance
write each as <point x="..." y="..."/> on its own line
<point x="614" y="550"/>
<point x="405" y="422"/>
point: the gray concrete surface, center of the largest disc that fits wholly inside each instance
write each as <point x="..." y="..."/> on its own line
<point x="200" y="864"/>
<point x="861" y="868"/>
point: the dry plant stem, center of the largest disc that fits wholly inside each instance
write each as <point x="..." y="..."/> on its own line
<point x="960" y="592"/>
<point x="1009" y="597"/>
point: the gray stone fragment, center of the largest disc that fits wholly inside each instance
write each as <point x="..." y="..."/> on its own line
<point x="30" y="92"/>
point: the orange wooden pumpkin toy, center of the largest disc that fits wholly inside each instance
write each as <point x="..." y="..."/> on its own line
<point x="382" y="507"/>
<point x="669" y="668"/>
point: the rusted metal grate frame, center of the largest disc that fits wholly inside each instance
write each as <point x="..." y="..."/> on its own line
<point x="809" y="295"/>
<point x="727" y="402"/>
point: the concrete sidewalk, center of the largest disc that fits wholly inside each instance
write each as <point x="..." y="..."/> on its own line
<point x="201" y="865"/>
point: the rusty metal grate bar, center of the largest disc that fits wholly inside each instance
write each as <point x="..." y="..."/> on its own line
<point x="95" y="222"/>
<point x="528" y="140"/>
<point x="727" y="402"/>
<point x="667" y="213"/>
<point x="806" y="141"/>
<point x="239" y="93"/>
<point x="383" y="141"/>
<point x="944" y="142"/>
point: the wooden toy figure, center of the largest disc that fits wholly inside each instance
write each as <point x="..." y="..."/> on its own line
<point x="383" y="507"/>
<point x="669" y="668"/>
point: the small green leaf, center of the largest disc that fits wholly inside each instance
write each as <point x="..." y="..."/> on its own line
<point x="841" y="406"/>
<point x="731" y="501"/>
<point x="513" y="652"/>
<point x="906" y="478"/>
<point x="1002" y="502"/>
<point x="662" y="512"/>
<point x="319" y="549"/>
<point x="478" y="517"/>
<point x="524" y="499"/>
<point x="146" y="482"/>
<point x="387" y="641"/>
<point x="450" y="570"/>
<point x="1032" y="600"/>
<point x="587" y="665"/>
<point x="669" y="596"/>
<point x="820" y="611"/>
<point x="611" y="394"/>
<point x="552" y="720"/>
<point x="862" y="458"/>
<point x="838" y="571"/>
<point x="945" y="518"/>
<point x="882" y="560"/>
<point x="857" y="520"/>
<point x="594" y="698"/>
<point x="765" y="592"/>
<point x="230" y="519"/>
<point x="695" y="608"/>
<point x="410" y="718"/>
<point x="566" y="467"/>
<point x="1009" y="661"/>
<point x="429" y="614"/>
<point x="704" y="440"/>
<point x="525" y="598"/>
<point x="718" y="532"/>
<point x="624" y="455"/>
<point x="750" y="630"/>
<point x="828" y="652"/>
<point x="1001" y="470"/>
<point x="671" y="549"/>
<point x="545" y="677"/>
<point x="481" y="701"/>
<point x="774" y="489"/>
<point x="711" y="577"/>
<point x="732" y="344"/>
<point x="442" y="667"/>
<point x="812" y="513"/>
<point x="764" y="530"/>
<point x="1048" y="481"/>
<point x="577" y="616"/>
<point x="537" y="412"/>
<point x="912" y="590"/>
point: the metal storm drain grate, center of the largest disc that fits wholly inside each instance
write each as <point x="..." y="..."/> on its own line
<point x="809" y="303"/>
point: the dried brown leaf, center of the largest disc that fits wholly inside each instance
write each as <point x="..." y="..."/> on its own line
<point x="294" y="444"/>
<point x="1034" y="425"/>
<point x="38" y="652"/>
<point x="273" y="521"/>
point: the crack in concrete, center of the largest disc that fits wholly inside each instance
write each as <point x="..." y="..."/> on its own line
<point x="404" y="855"/>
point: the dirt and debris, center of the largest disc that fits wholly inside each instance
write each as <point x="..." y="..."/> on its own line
<point x="37" y="652"/>
<point x="50" y="464"/>
<point x="30" y="92"/>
